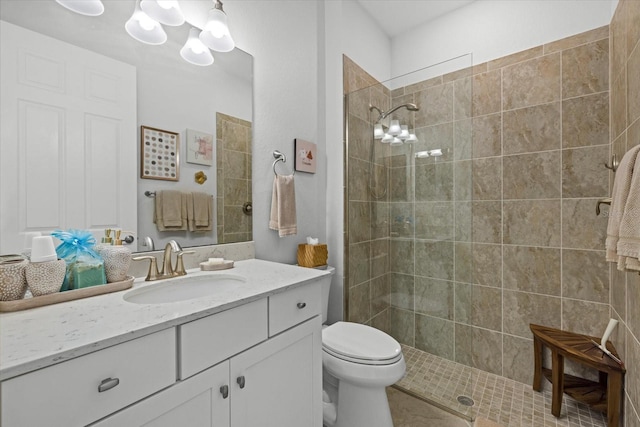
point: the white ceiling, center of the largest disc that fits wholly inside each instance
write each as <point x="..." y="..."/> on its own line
<point x="398" y="16"/>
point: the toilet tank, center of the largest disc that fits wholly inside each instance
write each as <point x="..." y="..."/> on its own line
<point x="326" y="287"/>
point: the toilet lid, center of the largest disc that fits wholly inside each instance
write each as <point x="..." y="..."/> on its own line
<point x="360" y="343"/>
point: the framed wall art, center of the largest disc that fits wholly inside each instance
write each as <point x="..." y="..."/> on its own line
<point x="159" y="154"/>
<point x="306" y="153"/>
<point x="199" y="147"/>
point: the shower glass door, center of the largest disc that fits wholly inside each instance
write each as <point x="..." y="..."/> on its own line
<point x="408" y="246"/>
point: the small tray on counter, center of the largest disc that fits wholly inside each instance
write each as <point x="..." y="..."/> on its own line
<point x="25" y="303"/>
<point x="214" y="267"/>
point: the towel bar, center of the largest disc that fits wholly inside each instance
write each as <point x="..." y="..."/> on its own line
<point x="605" y="201"/>
<point x="614" y="163"/>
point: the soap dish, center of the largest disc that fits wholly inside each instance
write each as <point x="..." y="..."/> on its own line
<point x="204" y="266"/>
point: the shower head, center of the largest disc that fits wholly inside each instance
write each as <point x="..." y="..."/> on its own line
<point x="384" y="114"/>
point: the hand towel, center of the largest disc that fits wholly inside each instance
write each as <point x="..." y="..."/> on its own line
<point x="170" y="211"/>
<point x="628" y="247"/>
<point x="619" y="197"/>
<point x="283" y="206"/>
<point x="200" y="211"/>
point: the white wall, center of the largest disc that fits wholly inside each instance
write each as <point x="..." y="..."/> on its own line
<point x="282" y="36"/>
<point x="364" y="42"/>
<point x="490" y="29"/>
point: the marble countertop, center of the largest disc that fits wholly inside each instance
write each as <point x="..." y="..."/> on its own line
<point x="40" y="337"/>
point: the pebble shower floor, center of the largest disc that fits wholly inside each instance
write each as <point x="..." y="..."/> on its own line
<point x="499" y="399"/>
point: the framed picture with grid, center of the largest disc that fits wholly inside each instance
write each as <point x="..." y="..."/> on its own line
<point x="159" y="154"/>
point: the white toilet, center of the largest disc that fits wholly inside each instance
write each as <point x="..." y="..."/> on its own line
<point x="358" y="362"/>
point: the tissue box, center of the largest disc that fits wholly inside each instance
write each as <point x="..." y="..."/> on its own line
<point x="312" y="255"/>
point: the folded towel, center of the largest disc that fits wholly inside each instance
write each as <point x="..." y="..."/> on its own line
<point x="629" y="237"/>
<point x="283" y="206"/>
<point x="620" y="197"/>
<point x="170" y="210"/>
<point x="200" y="211"/>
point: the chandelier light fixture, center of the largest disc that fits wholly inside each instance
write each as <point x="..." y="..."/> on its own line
<point x="145" y="25"/>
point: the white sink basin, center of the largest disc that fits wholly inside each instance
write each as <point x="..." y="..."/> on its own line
<point x="183" y="288"/>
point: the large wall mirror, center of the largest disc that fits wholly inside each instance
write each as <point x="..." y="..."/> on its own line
<point x="189" y="101"/>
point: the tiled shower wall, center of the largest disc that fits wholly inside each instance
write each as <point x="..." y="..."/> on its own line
<point x="233" y="148"/>
<point x="523" y="244"/>
<point x="625" y="134"/>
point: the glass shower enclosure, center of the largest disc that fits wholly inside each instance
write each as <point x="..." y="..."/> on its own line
<point x="408" y="220"/>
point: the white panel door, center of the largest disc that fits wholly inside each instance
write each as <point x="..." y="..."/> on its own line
<point x="68" y="138"/>
<point x="279" y="383"/>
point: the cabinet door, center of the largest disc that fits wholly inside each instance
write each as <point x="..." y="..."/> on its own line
<point x="279" y="382"/>
<point x="196" y="402"/>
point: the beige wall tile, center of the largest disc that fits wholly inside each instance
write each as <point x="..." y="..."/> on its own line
<point x="402" y="291"/>
<point x="633" y="86"/>
<point x="462" y="183"/>
<point x="380" y="292"/>
<point x="359" y="180"/>
<point x="532" y="82"/>
<point x="518" y="359"/>
<point x="463" y="262"/>
<point x="434" y="220"/>
<point x="585" y="121"/>
<point x="486" y="93"/>
<point x="577" y="40"/>
<point x="532" y="129"/>
<point x="633" y="304"/>
<point x="463" y="221"/>
<point x="400" y="217"/>
<point x="633" y="132"/>
<point x="359" y="263"/>
<point x="523" y="216"/>
<point x="523" y="308"/>
<point x="486" y="222"/>
<point x="402" y="325"/>
<point x="585" y="275"/>
<point x="487" y="179"/>
<point x="583" y="174"/>
<point x="380" y="257"/>
<point x="425" y="84"/>
<point x="618" y="106"/>
<point x="487" y="136"/>
<point x="434" y="182"/>
<point x="479" y="348"/>
<point x="434" y="297"/>
<point x="585" y="69"/>
<point x="532" y="269"/>
<point x="617" y="43"/>
<point x="437" y="136"/>
<point x="487" y="264"/>
<point x="618" y="337"/>
<point x="434" y="335"/>
<point x="581" y="229"/>
<point x="402" y="256"/>
<point x="436" y="259"/>
<point x="235" y="192"/>
<point x="632" y="24"/>
<point x="573" y="317"/>
<point x="436" y="105"/>
<point x="359" y="303"/>
<point x="532" y="176"/>
<point x="462" y="98"/>
<point x="463" y="139"/>
<point x="631" y="417"/>
<point x="382" y="321"/>
<point x="379" y="220"/>
<point x="359" y="221"/>
<point x="618" y="291"/>
<point x="523" y="55"/>
<point x="632" y="363"/>
<point x="478" y="306"/>
<point x="235" y="164"/>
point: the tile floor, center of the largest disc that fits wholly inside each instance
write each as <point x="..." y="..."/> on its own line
<point x="498" y="399"/>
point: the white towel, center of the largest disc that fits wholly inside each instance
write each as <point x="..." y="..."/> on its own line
<point x="283" y="206"/>
<point x="623" y="227"/>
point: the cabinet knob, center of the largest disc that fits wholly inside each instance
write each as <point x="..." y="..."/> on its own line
<point x="108" y="384"/>
<point x="224" y="391"/>
<point x="302" y="305"/>
<point x="240" y="381"/>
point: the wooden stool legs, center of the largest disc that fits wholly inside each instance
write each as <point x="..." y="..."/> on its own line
<point x="557" y="377"/>
<point x="537" y="360"/>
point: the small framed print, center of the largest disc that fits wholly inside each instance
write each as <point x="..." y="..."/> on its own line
<point x="199" y="147"/>
<point x="306" y="153"/>
<point x="159" y="154"/>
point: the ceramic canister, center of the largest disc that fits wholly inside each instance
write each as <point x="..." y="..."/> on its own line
<point x="117" y="259"/>
<point x="46" y="277"/>
<point x="13" y="281"/>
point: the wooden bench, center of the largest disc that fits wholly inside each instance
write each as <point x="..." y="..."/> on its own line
<point x="604" y="396"/>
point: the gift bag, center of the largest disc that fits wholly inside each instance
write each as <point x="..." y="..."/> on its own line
<point x="84" y="266"/>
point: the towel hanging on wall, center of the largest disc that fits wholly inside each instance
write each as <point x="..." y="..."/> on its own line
<point x="623" y="229"/>
<point x="283" y="206"/>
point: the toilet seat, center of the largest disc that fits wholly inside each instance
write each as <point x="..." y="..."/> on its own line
<point x="362" y="344"/>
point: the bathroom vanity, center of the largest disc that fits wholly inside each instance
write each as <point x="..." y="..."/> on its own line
<point x="245" y="356"/>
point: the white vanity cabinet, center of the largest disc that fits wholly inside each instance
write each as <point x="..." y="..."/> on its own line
<point x="87" y="388"/>
<point x="242" y="368"/>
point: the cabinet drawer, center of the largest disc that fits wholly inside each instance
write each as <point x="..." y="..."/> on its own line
<point x="205" y="342"/>
<point x="294" y="306"/>
<point x="68" y="394"/>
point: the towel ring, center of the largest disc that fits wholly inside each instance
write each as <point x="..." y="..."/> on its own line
<point x="280" y="157"/>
